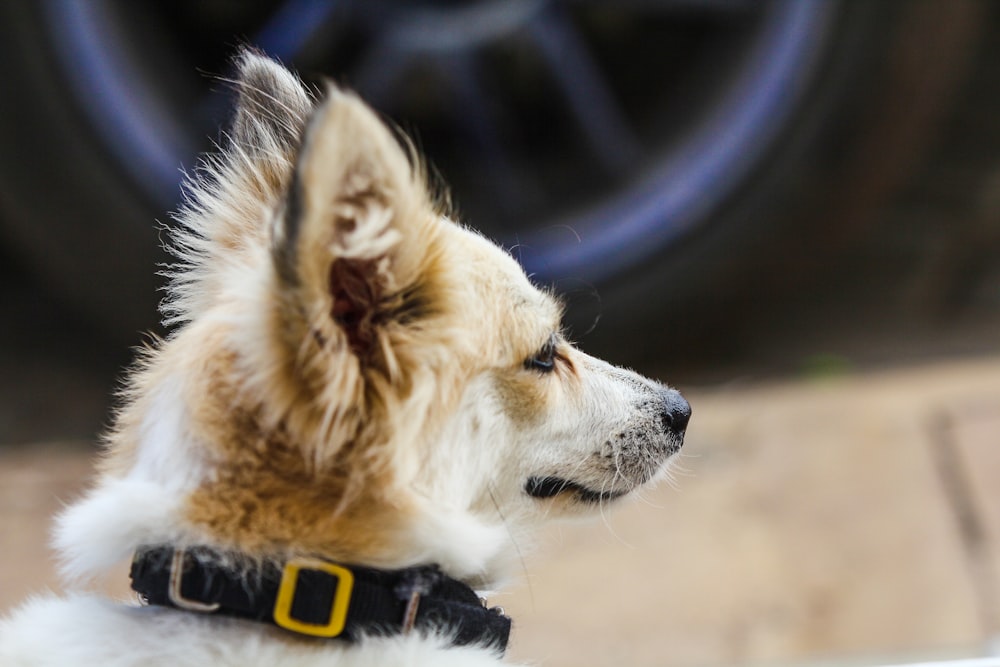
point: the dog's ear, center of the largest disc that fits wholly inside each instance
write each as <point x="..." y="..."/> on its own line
<point x="272" y="108"/>
<point x="356" y="198"/>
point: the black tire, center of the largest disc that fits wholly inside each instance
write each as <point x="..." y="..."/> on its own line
<point x="82" y="215"/>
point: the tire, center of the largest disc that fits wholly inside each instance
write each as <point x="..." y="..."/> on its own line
<point x="729" y="255"/>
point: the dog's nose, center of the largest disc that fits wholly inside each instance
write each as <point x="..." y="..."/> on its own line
<point x="676" y="411"/>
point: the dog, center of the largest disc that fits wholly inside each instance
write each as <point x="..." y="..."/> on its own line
<point x="362" y="411"/>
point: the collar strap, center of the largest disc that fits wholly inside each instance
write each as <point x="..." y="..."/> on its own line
<point x="318" y="598"/>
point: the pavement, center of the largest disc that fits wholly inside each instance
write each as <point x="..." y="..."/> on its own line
<point x="844" y="519"/>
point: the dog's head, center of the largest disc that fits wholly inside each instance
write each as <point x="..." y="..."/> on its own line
<point x="352" y="374"/>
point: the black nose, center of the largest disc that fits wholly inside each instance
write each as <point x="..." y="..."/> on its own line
<point x="676" y="411"/>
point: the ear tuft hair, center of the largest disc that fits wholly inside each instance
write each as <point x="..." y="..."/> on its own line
<point x="273" y="105"/>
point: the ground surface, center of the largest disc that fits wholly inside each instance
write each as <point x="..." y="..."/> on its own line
<point x="852" y="518"/>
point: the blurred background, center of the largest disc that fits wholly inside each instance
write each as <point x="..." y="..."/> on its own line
<point x="788" y="208"/>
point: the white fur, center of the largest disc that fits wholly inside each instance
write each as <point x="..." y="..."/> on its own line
<point x="104" y="528"/>
<point x="167" y="456"/>
<point x="85" y="631"/>
<point x="145" y="504"/>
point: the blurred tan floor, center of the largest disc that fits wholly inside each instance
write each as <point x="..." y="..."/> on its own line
<point x="855" y="518"/>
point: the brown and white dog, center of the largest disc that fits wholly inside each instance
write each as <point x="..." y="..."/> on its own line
<point x="363" y="404"/>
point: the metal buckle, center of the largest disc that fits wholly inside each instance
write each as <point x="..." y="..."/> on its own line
<point x="174" y="590"/>
<point x="286" y="594"/>
<point x="410" y="613"/>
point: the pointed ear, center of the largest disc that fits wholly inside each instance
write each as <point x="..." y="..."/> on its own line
<point x="272" y="108"/>
<point x="355" y="202"/>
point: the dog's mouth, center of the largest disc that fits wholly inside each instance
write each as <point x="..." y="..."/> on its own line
<point x="550" y="487"/>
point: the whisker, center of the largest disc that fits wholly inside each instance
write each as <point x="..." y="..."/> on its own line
<point x="514" y="542"/>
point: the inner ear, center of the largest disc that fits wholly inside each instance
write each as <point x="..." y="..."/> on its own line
<point x="356" y="294"/>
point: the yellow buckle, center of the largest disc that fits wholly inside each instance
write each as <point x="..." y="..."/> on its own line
<point x="286" y="593"/>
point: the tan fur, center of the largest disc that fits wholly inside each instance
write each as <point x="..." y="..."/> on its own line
<point x="297" y="430"/>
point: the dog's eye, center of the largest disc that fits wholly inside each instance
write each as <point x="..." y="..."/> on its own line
<point x="545" y="359"/>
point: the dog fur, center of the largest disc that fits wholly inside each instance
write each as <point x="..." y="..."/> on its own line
<point x="351" y="376"/>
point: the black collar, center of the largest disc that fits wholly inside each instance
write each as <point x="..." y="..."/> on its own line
<point x="318" y="598"/>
